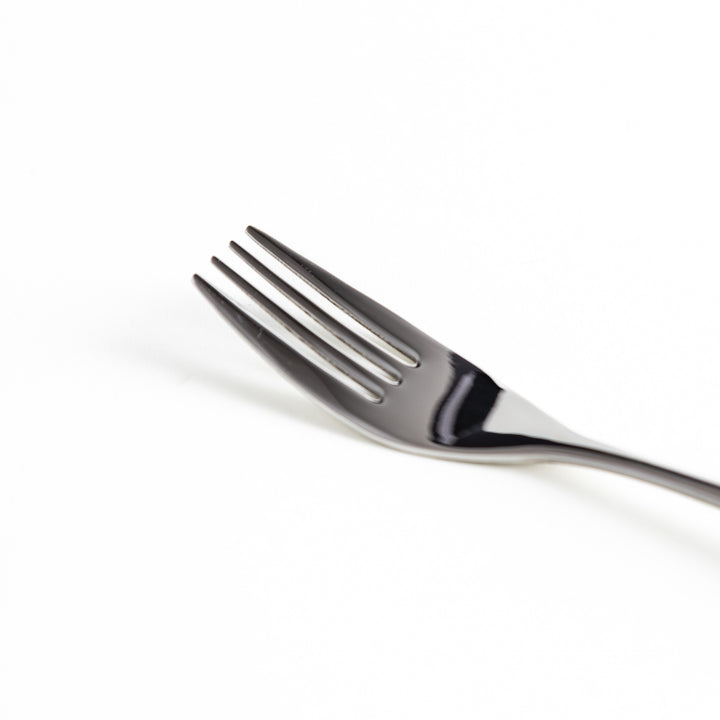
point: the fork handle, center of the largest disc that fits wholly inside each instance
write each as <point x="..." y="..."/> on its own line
<point x="617" y="462"/>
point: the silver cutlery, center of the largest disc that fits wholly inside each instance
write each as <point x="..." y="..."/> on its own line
<point x="396" y="384"/>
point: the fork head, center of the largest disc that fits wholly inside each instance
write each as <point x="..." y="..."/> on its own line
<point x="389" y="379"/>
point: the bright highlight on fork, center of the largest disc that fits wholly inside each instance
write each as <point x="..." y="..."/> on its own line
<point x="396" y="384"/>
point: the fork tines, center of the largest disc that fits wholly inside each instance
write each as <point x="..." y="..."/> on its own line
<point x="383" y="358"/>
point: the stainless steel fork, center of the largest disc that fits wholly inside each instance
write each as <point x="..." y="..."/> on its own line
<point x="396" y="384"/>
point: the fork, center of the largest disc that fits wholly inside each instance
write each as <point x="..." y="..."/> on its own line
<point x="396" y="384"/>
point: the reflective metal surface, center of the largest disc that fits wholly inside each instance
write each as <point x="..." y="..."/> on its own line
<point x="420" y="396"/>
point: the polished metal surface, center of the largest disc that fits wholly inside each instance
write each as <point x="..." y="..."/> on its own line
<point x="409" y="391"/>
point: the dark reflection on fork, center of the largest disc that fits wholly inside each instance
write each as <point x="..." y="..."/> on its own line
<point x="461" y="415"/>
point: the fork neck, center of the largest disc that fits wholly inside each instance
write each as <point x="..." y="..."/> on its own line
<point x="618" y="462"/>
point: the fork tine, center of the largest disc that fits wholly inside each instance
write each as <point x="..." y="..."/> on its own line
<point x="312" y="377"/>
<point x="339" y="361"/>
<point x="354" y="341"/>
<point x="383" y="323"/>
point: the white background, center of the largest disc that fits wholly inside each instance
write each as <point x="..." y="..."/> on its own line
<point x="182" y="533"/>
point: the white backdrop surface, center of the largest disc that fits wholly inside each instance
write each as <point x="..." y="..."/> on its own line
<point x="183" y="534"/>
